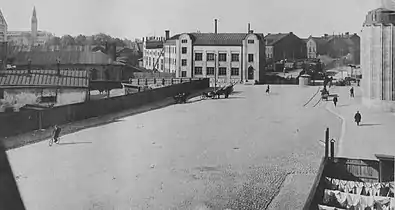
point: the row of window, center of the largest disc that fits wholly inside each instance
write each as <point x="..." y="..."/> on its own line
<point x="221" y="71"/>
<point x="155" y="53"/>
<point x="222" y="57"/>
<point x="170" y="49"/>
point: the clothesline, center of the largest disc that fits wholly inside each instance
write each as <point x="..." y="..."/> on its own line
<point x="348" y="200"/>
<point x="361" y="188"/>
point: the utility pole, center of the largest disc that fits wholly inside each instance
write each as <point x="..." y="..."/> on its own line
<point x="215" y="71"/>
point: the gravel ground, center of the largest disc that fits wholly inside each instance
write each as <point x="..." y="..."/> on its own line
<point x="215" y="154"/>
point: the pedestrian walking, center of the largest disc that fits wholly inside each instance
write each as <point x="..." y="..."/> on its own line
<point x="56" y="133"/>
<point x="357" y="117"/>
<point x="352" y="92"/>
<point x="267" y="90"/>
<point x="335" y="100"/>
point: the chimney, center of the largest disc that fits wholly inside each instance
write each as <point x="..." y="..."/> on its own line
<point x="143" y="39"/>
<point x="215" y="26"/>
<point x="167" y="34"/>
<point x="249" y="27"/>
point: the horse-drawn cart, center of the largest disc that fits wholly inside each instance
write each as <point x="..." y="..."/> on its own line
<point x="226" y="91"/>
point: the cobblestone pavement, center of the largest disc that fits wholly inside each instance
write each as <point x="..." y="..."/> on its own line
<point x="374" y="136"/>
<point x="214" y="154"/>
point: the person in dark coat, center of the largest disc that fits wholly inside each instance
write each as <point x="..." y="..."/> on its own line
<point x="352" y="92"/>
<point x="357" y="117"/>
<point x="56" y="133"/>
<point x="267" y="89"/>
<point x="335" y="100"/>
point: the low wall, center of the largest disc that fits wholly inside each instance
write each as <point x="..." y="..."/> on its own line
<point x="29" y="120"/>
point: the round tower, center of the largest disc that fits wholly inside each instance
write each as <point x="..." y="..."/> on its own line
<point x="377" y="59"/>
<point x="34" y="26"/>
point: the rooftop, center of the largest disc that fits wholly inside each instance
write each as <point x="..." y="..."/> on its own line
<point x="274" y="38"/>
<point x="66" y="57"/>
<point x="224" y="39"/>
<point x="44" y="78"/>
<point x="153" y="44"/>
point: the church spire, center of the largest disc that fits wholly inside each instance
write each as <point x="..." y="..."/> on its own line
<point x="34" y="12"/>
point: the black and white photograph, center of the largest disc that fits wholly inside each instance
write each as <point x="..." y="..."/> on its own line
<point x="197" y="105"/>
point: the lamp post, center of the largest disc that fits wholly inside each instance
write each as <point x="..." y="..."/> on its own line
<point x="29" y="65"/>
<point x="215" y="71"/>
<point x="58" y="64"/>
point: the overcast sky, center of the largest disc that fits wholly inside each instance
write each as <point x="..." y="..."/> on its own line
<point x="138" y="18"/>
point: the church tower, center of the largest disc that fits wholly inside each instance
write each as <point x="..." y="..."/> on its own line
<point x="34" y="26"/>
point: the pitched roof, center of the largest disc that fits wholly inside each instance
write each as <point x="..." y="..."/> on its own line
<point x="213" y="39"/>
<point x="66" y="57"/>
<point x="43" y="78"/>
<point x="273" y="38"/>
<point x="2" y="18"/>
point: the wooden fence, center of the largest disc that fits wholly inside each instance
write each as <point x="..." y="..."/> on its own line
<point x="29" y="120"/>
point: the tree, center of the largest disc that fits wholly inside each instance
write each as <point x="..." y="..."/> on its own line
<point x="67" y="40"/>
<point x="80" y="40"/>
<point x="101" y="39"/>
<point x="54" y="41"/>
<point x="119" y="42"/>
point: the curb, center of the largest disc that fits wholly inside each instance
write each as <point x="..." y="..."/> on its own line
<point x="343" y="130"/>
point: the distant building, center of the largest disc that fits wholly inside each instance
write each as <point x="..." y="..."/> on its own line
<point x="3" y="28"/>
<point x="34" y="37"/>
<point x="344" y="46"/>
<point x="153" y="53"/>
<point x="229" y="57"/>
<point x="316" y="46"/>
<point x="100" y="65"/>
<point x="284" y="46"/>
<point x="43" y="87"/>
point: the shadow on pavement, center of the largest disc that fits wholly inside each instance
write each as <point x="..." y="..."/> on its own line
<point x="369" y="124"/>
<point x="74" y="143"/>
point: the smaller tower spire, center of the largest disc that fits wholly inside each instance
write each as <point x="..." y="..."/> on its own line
<point x="34" y="12"/>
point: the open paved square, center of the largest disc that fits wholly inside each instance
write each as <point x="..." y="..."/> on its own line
<point x="225" y="153"/>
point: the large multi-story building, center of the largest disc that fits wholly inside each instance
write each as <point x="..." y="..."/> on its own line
<point x="153" y="53"/>
<point x="227" y="57"/>
<point x="34" y="37"/>
<point x="377" y="59"/>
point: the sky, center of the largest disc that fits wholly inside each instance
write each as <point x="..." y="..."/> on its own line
<point x="139" y="18"/>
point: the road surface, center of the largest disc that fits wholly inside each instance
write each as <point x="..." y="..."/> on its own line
<point x="227" y="153"/>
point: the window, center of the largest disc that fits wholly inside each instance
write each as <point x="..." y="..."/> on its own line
<point x="48" y="99"/>
<point x="210" y="70"/>
<point x="222" y="57"/>
<point x="161" y="67"/>
<point x="250" y="57"/>
<point x="250" y="41"/>
<point x="184" y="74"/>
<point x="149" y="61"/>
<point x="184" y="50"/>
<point x="210" y="56"/>
<point x="1" y="94"/>
<point x="198" y="70"/>
<point x="184" y="41"/>
<point x="198" y="56"/>
<point x="222" y="71"/>
<point x="234" y="71"/>
<point x="235" y="57"/>
<point x="183" y="62"/>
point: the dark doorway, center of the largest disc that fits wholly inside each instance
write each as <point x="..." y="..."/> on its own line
<point x="250" y="73"/>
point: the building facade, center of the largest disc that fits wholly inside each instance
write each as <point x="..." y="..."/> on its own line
<point x="43" y="87"/>
<point x="222" y="57"/>
<point x="34" y="37"/>
<point x="153" y="53"/>
<point x="284" y="46"/>
<point x="377" y="59"/>
<point x="316" y="46"/>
